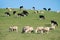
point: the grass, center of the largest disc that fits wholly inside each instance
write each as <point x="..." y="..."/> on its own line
<point x="33" y="20"/>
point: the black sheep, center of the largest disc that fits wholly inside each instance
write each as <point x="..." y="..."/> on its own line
<point x="49" y="9"/>
<point x="7" y="13"/>
<point x="54" y="22"/>
<point x="41" y="17"/>
<point x="33" y="8"/>
<point x="20" y="14"/>
<point x="44" y="9"/>
<point x="25" y="12"/>
<point x="21" y="7"/>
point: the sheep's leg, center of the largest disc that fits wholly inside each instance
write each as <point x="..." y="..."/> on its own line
<point x="26" y="31"/>
<point x="36" y="31"/>
<point x="47" y="31"/>
<point x="29" y="31"/>
<point x="16" y="30"/>
<point x="41" y="31"/>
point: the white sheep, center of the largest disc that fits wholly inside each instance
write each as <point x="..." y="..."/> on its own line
<point x="13" y="28"/>
<point x="52" y="27"/>
<point x="27" y="29"/>
<point x="46" y="29"/>
<point x="9" y="9"/>
<point x="39" y="29"/>
<point x="42" y="12"/>
<point x="42" y="29"/>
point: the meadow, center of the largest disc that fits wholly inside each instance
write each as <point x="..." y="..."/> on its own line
<point x="32" y="20"/>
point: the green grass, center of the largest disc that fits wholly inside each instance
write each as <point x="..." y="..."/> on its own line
<point x="33" y="20"/>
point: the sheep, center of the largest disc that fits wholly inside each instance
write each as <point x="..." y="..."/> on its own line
<point x="54" y="23"/>
<point x="42" y="29"/>
<point x="7" y="13"/>
<point x="33" y="8"/>
<point x="41" y="16"/>
<point x="27" y="29"/>
<point x="52" y="27"/>
<point x="44" y="9"/>
<point x="20" y="14"/>
<point x="36" y="11"/>
<point x="42" y="12"/>
<point x="25" y="12"/>
<point x="9" y="9"/>
<point x="13" y="28"/>
<point x="21" y="7"/>
<point x="10" y="29"/>
<point x="39" y="29"/>
<point x="46" y="29"/>
<point x="49" y="9"/>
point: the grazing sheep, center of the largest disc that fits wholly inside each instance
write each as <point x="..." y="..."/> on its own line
<point x="44" y="9"/>
<point x="33" y="8"/>
<point x="46" y="29"/>
<point x="21" y="7"/>
<point x="54" y="23"/>
<point x="36" y="11"/>
<point x="42" y="29"/>
<point x="9" y="9"/>
<point x="49" y="9"/>
<point x="13" y="28"/>
<point x="42" y="12"/>
<point x="52" y="27"/>
<point x="7" y="13"/>
<point x="39" y="29"/>
<point x="41" y="17"/>
<point x="27" y="29"/>
<point x="25" y="12"/>
<point x="20" y="14"/>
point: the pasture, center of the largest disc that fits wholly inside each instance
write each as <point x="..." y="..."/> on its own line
<point x="32" y="20"/>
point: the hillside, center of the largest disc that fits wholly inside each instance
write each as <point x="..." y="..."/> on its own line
<point x="33" y="20"/>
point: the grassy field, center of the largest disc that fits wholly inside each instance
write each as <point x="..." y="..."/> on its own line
<point x="33" y="20"/>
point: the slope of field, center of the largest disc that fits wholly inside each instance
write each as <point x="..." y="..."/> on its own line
<point x="33" y="20"/>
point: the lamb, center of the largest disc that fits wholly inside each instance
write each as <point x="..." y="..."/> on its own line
<point x="20" y="14"/>
<point x="13" y="28"/>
